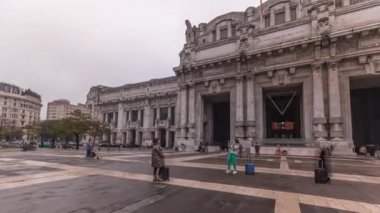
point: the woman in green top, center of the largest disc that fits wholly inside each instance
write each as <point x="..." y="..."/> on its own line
<point x="233" y="150"/>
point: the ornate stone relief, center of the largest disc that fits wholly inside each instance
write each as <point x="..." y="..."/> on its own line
<point x="214" y="86"/>
<point x="371" y="64"/>
<point x="281" y="77"/>
<point x="288" y="57"/>
<point x="372" y="41"/>
<point x="304" y="53"/>
<point x="347" y="45"/>
<point x="324" y="28"/>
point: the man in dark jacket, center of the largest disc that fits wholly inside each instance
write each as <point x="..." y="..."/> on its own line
<point x="157" y="159"/>
<point x="325" y="161"/>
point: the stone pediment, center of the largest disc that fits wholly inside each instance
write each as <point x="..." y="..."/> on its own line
<point x="234" y="16"/>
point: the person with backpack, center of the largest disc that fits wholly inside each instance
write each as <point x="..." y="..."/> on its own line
<point x="157" y="160"/>
<point x="232" y="156"/>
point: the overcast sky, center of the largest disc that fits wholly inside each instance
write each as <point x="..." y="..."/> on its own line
<point x="60" y="48"/>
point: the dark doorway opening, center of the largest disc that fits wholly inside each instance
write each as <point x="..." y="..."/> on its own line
<point x="133" y="137"/>
<point x="124" y="138"/>
<point x="140" y="138"/>
<point x="163" y="137"/>
<point x="365" y="109"/>
<point x="221" y="131"/>
<point x="172" y="138"/>
<point x="283" y="113"/>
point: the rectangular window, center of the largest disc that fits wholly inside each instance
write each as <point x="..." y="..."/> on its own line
<point x="172" y="118"/>
<point x="267" y="21"/>
<point x="110" y="117"/>
<point x="127" y="115"/>
<point x="293" y="14"/>
<point x="279" y="18"/>
<point x="338" y="3"/>
<point x="164" y="113"/>
<point x="116" y="117"/>
<point x="224" y="33"/>
<point x="135" y="115"/>
<point x="104" y="117"/>
<point x="142" y="117"/>
<point x="154" y="115"/>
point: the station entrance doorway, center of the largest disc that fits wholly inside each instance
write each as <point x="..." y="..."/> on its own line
<point x="365" y="110"/>
<point x="216" y="123"/>
<point x="283" y="113"/>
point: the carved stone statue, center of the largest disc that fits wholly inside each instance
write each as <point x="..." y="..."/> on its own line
<point x="243" y="44"/>
<point x="190" y="33"/>
<point x="324" y="27"/>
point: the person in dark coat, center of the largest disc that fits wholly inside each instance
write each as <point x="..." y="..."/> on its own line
<point x="158" y="159"/>
<point x="325" y="161"/>
<point x="257" y="149"/>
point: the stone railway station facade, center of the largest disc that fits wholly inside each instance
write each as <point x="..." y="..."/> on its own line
<point x="301" y="73"/>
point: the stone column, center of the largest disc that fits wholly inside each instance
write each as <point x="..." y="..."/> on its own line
<point x="146" y="126"/>
<point x="139" y="116"/>
<point x="191" y="121"/>
<point x="239" y="121"/>
<point x="119" y="124"/>
<point x="335" y="109"/>
<point x="156" y="133"/>
<point x="320" y="133"/>
<point x="287" y="13"/>
<point x="251" y="119"/>
<point x="272" y="18"/>
<point x="128" y="135"/>
<point x="346" y="3"/>
<point x="183" y="124"/>
<point x="120" y="116"/>
<point x="167" y="138"/>
<point x="105" y="117"/>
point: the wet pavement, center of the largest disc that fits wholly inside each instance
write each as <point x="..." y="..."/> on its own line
<point x="121" y="182"/>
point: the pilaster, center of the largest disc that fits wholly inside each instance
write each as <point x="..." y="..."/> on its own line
<point x="287" y="13"/>
<point x="335" y="108"/>
<point x="239" y="120"/>
<point x="191" y="121"/>
<point x="319" y="118"/>
<point x="251" y="118"/>
<point x="120" y="113"/>
<point x="184" y="111"/>
<point x="272" y="18"/>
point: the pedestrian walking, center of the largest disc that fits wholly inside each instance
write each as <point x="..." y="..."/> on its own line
<point x="158" y="160"/>
<point x="232" y="155"/>
<point x="88" y="150"/>
<point x="257" y="149"/>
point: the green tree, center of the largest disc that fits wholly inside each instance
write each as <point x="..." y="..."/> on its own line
<point x="97" y="129"/>
<point x="33" y="131"/>
<point x="78" y="124"/>
<point x="10" y="133"/>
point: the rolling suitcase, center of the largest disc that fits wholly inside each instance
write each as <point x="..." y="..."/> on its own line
<point x="320" y="175"/>
<point x="249" y="166"/>
<point x="164" y="173"/>
<point x="249" y="169"/>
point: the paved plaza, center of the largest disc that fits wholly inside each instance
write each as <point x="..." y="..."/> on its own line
<point x="121" y="181"/>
